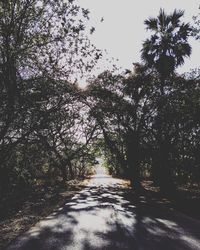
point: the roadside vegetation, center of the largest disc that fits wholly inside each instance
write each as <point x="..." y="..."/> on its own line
<point x="144" y="123"/>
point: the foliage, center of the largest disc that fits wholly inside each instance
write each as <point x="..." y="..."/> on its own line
<point x="144" y="122"/>
<point x="42" y="46"/>
<point x="168" y="46"/>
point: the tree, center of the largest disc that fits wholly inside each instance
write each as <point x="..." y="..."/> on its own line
<point x="168" y="46"/>
<point x="37" y="38"/>
<point x="165" y="51"/>
<point x="42" y="42"/>
<point x="121" y="105"/>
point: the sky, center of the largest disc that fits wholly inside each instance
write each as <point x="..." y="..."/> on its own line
<point x="120" y="28"/>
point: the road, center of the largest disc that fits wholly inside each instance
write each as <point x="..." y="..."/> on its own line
<point x="102" y="216"/>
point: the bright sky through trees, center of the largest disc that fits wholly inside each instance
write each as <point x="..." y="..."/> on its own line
<point x="120" y="28"/>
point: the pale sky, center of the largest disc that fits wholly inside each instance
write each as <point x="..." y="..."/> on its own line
<point x="122" y="31"/>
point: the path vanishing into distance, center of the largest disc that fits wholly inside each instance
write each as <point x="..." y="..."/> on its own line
<point x="104" y="216"/>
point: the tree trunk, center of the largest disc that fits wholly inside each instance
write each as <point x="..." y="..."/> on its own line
<point x="161" y="166"/>
<point x="133" y="161"/>
<point x="162" y="172"/>
<point x="63" y="171"/>
<point x="70" y="170"/>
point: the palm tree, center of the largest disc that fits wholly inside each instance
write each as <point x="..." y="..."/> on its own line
<point x="165" y="50"/>
<point x="168" y="46"/>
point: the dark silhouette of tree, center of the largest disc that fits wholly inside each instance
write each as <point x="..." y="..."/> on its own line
<point x="168" y="46"/>
<point x="145" y="119"/>
<point x="165" y="51"/>
<point x="121" y="105"/>
<point x="42" y="43"/>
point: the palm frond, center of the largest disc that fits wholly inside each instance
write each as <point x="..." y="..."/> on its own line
<point x="162" y="19"/>
<point x="167" y="47"/>
<point x="184" y="30"/>
<point x="151" y="24"/>
<point x="175" y="17"/>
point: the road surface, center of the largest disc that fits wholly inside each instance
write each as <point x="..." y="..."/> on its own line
<point x="102" y="216"/>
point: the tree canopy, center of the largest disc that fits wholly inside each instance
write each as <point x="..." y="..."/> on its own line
<point x="168" y="45"/>
<point x="144" y="122"/>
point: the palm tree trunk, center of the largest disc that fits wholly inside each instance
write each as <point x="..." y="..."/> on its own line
<point x="133" y="161"/>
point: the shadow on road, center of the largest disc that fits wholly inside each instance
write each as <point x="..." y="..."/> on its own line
<point x="111" y="217"/>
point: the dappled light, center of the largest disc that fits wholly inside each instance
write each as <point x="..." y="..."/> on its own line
<point x="107" y="215"/>
<point x="96" y="153"/>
